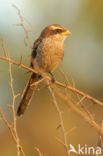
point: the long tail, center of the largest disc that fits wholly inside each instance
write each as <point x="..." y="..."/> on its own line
<point x="27" y="95"/>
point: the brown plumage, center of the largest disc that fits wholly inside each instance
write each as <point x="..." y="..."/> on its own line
<point x="48" y="51"/>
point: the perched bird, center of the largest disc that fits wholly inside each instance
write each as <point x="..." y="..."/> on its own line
<point x="47" y="53"/>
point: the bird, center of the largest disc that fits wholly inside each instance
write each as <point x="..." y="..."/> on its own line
<point x="47" y="53"/>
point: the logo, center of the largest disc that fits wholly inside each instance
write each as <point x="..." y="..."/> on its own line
<point x="85" y="150"/>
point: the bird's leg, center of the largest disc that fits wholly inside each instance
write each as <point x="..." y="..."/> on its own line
<point x="39" y="77"/>
<point x="52" y="77"/>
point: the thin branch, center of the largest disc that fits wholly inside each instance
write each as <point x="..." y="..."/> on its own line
<point x="81" y="105"/>
<point x="3" y="46"/>
<point x="60" y="117"/>
<point x="14" y="125"/>
<point x="71" y="88"/>
<point x="38" y="150"/>
<point x="7" y="124"/>
<point x="75" y="90"/>
<point x="22" y="24"/>
<point x="81" y="113"/>
<point x="19" y="64"/>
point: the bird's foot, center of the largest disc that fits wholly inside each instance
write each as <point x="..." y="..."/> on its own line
<point x="52" y="77"/>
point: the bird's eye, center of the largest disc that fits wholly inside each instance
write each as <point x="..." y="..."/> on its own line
<point x="58" y="30"/>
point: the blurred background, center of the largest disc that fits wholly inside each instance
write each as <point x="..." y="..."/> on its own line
<point x="83" y="63"/>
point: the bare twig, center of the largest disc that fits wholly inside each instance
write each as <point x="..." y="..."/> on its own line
<point x="8" y="125"/>
<point x="81" y="113"/>
<point x="60" y="117"/>
<point x="75" y="90"/>
<point x="71" y="88"/>
<point x="14" y="125"/>
<point x="82" y="106"/>
<point x="3" y="46"/>
<point x="38" y="150"/>
<point x="19" y="64"/>
<point x="100" y="141"/>
<point x="22" y="24"/>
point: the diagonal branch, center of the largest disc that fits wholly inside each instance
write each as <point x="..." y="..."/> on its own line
<point x="38" y="150"/>
<point x="71" y="88"/>
<point x="81" y="113"/>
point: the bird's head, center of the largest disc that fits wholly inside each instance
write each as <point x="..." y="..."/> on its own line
<point x="56" y="31"/>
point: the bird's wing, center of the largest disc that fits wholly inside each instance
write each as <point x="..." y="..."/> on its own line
<point x="34" y="51"/>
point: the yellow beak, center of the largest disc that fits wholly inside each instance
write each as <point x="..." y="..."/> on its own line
<point x="66" y="33"/>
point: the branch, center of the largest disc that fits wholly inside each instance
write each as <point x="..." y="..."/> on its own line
<point x="39" y="152"/>
<point x="12" y="126"/>
<point x="71" y="88"/>
<point x="8" y="125"/>
<point x="22" y="24"/>
<point x="75" y="90"/>
<point x="60" y="117"/>
<point x="81" y="113"/>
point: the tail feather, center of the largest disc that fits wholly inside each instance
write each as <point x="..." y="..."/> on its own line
<point x="27" y="95"/>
